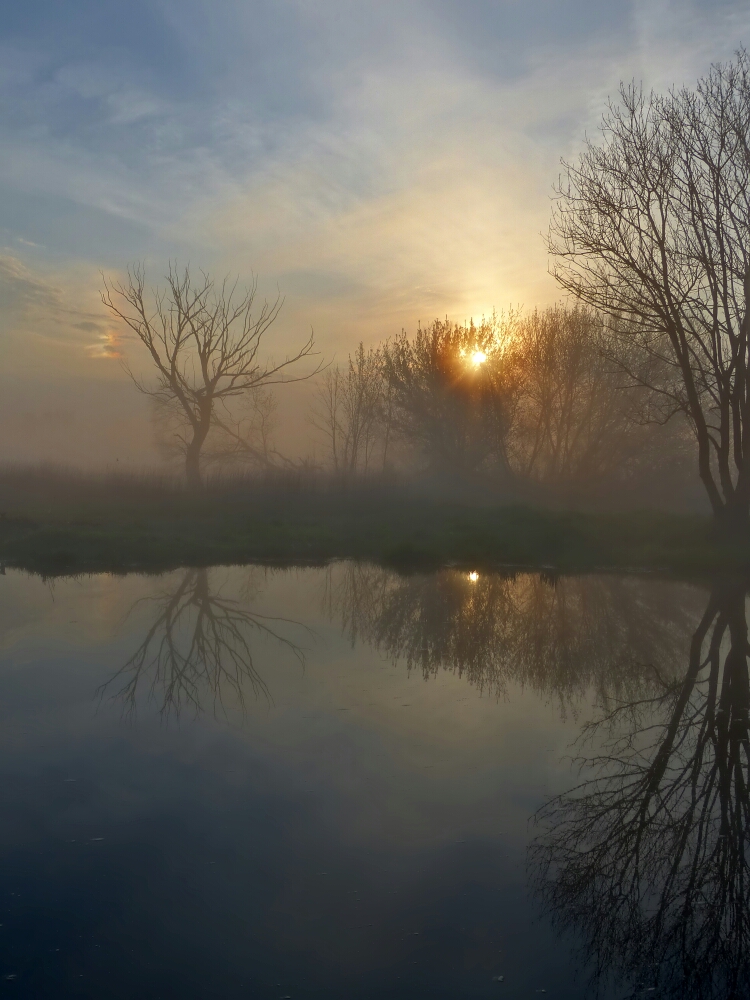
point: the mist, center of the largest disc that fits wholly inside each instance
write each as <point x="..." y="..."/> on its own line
<point x="375" y="499"/>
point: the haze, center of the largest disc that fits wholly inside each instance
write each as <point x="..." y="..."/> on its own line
<point x="380" y="164"/>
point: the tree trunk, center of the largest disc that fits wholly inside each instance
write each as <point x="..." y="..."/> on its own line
<point x="193" y="466"/>
<point x="193" y="453"/>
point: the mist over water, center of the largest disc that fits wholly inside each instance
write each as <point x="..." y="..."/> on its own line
<point x="322" y="783"/>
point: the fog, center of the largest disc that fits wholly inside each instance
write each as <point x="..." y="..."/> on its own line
<point x="380" y="166"/>
<point x="94" y="424"/>
<point x="191" y="141"/>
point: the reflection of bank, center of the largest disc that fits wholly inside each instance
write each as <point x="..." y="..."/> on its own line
<point x="572" y="636"/>
<point x="198" y="651"/>
<point x="649" y="857"/>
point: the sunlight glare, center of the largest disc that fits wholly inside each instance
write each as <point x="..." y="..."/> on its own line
<point x="478" y="358"/>
<point x="473" y="577"/>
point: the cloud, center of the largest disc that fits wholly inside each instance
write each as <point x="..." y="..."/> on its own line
<point x="21" y="291"/>
<point x="52" y="319"/>
<point x="108" y="345"/>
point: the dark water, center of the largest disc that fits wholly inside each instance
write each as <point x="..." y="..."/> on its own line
<point x="345" y="783"/>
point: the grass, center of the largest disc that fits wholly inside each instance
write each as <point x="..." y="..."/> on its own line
<point x="55" y="522"/>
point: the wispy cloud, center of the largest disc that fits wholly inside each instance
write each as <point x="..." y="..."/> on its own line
<point x="22" y="291"/>
<point x="48" y="319"/>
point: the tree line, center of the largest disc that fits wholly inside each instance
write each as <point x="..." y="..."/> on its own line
<point x="515" y="399"/>
<point x="648" y="362"/>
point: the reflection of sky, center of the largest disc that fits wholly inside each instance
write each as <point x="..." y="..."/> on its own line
<point x="382" y="162"/>
<point x="413" y="797"/>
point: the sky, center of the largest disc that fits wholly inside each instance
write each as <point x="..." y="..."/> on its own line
<point x="379" y="163"/>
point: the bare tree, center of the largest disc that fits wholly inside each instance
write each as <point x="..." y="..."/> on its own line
<point x="263" y="421"/>
<point x="579" y="423"/>
<point x="574" y="418"/>
<point x="198" y="650"/>
<point x="649" y="856"/>
<point x="651" y="227"/>
<point x="352" y="408"/>
<point x="205" y="341"/>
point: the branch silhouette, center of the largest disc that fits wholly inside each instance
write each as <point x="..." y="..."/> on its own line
<point x="647" y="858"/>
<point x="198" y="650"/>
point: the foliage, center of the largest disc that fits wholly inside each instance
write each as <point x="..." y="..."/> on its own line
<point x="517" y="401"/>
<point x="456" y="411"/>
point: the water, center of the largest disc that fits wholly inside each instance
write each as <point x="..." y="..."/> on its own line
<point x="327" y="782"/>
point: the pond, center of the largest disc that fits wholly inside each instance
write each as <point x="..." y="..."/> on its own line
<point x="344" y="782"/>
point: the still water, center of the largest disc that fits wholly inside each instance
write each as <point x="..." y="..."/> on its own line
<point x="341" y="782"/>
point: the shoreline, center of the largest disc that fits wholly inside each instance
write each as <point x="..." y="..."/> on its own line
<point x="87" y="534"/>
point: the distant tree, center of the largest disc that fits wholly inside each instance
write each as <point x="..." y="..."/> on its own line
<point x="579" y="423"/>
<point x="262" y="422"/>
<point x="205" y="341"/>
<point x="352" y="409"/>
<point x="651" y="227"/>
<point x="450" y="393"/>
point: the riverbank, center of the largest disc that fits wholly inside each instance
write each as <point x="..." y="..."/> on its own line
<point x="127" y="528"/>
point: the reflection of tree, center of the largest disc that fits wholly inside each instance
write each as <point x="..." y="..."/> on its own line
<point x="648" y="857"/>
<point x="198" y="649"/>
<point x="613" y="634"/>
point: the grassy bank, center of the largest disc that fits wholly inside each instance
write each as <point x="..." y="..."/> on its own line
<point x="83" y="524"/>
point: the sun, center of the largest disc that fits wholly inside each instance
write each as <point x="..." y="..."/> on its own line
<point x="473" y="577"/>
<point x="478" y="358"/>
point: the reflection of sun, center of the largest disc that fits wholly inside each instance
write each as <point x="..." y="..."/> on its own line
<point x="473" y="577"/>
<point x="478" y="358"/>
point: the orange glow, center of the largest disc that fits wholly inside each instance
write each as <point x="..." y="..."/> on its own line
<point x="473" y="577"/>
<point x="478" y="358"/>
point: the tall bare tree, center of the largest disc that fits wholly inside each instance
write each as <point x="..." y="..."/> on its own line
<point x="205" y="341"/>
<point x="648" y="857"/>
<point x="652" y="226"/>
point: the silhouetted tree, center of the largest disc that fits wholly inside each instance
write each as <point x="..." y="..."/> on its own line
<point x="451" y="398"/>
<point x="577" y="424"/>
<point x="648" y="858"/>
<point x="651" y="227"/>
<point x="205" y="342"/>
